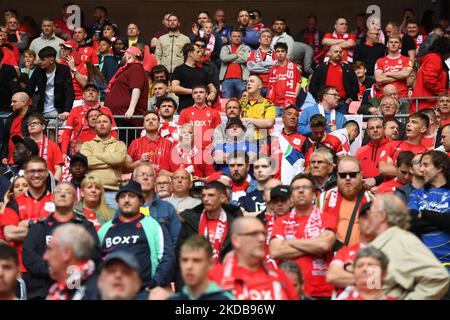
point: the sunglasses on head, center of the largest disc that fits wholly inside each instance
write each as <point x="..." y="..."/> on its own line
<point x="344" y="175"/>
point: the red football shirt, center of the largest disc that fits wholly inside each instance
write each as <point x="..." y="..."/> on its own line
<point x="52" y="155"/>
<point x="88" y="54"/>
<point x="205" y="120"/>
<point x="29" y="208"/>
<point x="331" y="142"/>
<point x="279" y="83"/>
<point x="389" y="186"/>
<point x="429" y="142"/>
<point x="77" y="122"/>
<point x="387" y="64"/>
<point x="393" y="148"/>
<point x="347" y="53"/>
<point x="335" y="78"/>
<point x="159" y="149"/>
<point x="315" y="283"/>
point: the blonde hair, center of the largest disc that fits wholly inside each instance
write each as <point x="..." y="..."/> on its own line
<point x="102" y="207"/>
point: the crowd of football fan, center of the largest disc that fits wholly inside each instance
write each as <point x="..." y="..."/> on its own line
<point x="234" y="162"/>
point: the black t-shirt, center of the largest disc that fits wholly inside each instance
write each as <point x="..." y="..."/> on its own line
<point x="253" y="201"/>
<point x="189" y="77"/>
<point x="9" y="84"/>
<point x="407" y="44"/>
<point x="369" y="55"/>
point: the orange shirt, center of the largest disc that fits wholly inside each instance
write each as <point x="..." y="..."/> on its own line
<point x="345" y="213"/>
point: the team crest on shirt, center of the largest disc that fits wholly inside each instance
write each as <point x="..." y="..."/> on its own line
<point x="296" y="141"/>
<point x="208" y="114"/>
<point x="49" y="206"/>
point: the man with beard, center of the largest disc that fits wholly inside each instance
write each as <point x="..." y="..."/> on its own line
<point x="142" y="236"/>
<point x="106" y="157"/>
<point x="253" y="203"/>
<point x="127" y="92"/>
<point x="163" y="187"/>
<point x="166" y="108"/>
<point x="308" y="236"/>
<point x="345" y="201"/>
<point x="169" y="46"/>
<point x="242" y="183"/>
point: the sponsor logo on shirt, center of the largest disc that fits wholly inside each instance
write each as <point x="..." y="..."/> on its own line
<point x="120" y="240"/>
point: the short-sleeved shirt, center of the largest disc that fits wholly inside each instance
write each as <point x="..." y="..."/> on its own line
<point x="118" y="100"/>
<point x="88" y="54"/>
<point x="393" y="148"/>
<point x="54" y="155"/>
<point x="189" y="77"/>
<point x="287" y="228"/>
<point x="204" y="120"/>
<point x="258" y="109"/>
<point x="389" y="186"/>
<point x="159" y="149"/>
<point x="388" y="64"/>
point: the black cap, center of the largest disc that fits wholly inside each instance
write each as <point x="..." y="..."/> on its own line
<point x="364" y="208"/>
<point x="28" y="142"/>
<point x="124" y="257"/>
<point x="78" y="157"/>
<point x="282" y="191"/>
<point x="198" y="185"/>
<point x="237" y="121"/>
<point x="131" y="186"/>
<point x="91" y="85"/>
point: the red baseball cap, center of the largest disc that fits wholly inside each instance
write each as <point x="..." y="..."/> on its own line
<point x="135" y="51"/>
<point x="70" y="44"/>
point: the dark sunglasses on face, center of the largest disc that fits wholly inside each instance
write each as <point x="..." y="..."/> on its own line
<point x="344" y="175"/>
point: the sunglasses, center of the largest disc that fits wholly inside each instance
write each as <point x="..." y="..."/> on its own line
<point x="343" y="175"/>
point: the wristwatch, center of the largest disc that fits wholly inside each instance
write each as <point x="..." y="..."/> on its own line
<point x="74" y="71"/>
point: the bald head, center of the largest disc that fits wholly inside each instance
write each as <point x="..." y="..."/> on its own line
<point x="19" y="102"/>
<point x="242" y="224"/>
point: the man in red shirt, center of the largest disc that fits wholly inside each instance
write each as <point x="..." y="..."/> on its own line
<point x="394" y="68"/>
<point x="244" y="272"/>
<point x="284" y="80"/>
<point x="15" y="124"/>
<point x="87" y="51"/>
<point x="204" y="118"/>
<point x="26" y="209"/>
<point x="77" y="121"/>
<point x="151" y="147"/>
<point x="262" y="59"/>
<point x="127" y="92"/>
<point x="48" y="150"/>
<point x="72" y="58"/>
<point x="369" y="155"/>
<point x="415" y="129"/>
<point x="341" y="37"/>
<point x="404" y="174"/>
<point x="429" y="138"/>
<point x="167" y="107"/>
<point x="307" y="236"/>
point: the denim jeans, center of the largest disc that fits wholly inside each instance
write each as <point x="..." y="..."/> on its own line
<point x="110" y="198"/>
<point x="232" y="88"/>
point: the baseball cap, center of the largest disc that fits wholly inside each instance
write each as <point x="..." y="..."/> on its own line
<point x="237" y="121"/>
<point x="282" y="191"/>
<point x="28" y="142"/>
<point x="90" y="85"/>
<point x="131" y="186"/>
<point x="69" y="44"/>
<point x="135" y="51"/>
<point x="123" y="257"/>
<point x="79" y="157"/>
<point x="198" y="185"/>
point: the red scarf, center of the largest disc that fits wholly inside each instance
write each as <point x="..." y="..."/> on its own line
<point x="118" y="73"/>
<point x="79" y="274"/>
<point x="219" y="234"/>
<point x="270" y="221"/>
<point x="290" y="94"/>
<point x="232" y="281"/>
<point x="187" y="157"/>
<point x="43" y="150"/>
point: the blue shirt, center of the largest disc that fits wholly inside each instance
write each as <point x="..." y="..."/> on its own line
<point x="303" y="121"/>
<point x="229" y="148"/>
<point x="437" y="200"/>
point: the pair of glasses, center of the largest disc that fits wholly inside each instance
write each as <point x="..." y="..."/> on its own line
<point x="34" y="123"/>
<point x="37" y="171"/>
<point x="343" y="175"/>
<point x="334" y="95"/>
